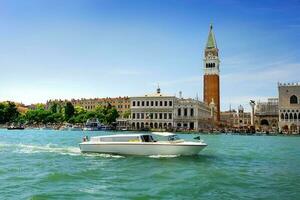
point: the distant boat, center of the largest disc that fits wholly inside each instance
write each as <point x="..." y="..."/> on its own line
<point x="46" y="128"/>
<point x="70" y="127"/>
<point x="15" y="128"/>
<point x="75" y="128"/>
<point x="94" y="125"/>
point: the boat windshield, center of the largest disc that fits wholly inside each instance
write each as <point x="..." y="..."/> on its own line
<point x="147" y="138"/>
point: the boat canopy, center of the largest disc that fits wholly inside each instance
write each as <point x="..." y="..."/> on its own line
<point x="117" y="138"/>
<point x="165" y="134"/>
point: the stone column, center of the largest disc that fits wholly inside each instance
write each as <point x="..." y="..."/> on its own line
<point x="252" y="104"/>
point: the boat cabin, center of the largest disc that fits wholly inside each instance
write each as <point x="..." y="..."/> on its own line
<point x="124" y="138"/>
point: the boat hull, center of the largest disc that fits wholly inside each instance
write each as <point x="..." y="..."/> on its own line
<point x="143" y="148"/>
<point x="15" y="128"/>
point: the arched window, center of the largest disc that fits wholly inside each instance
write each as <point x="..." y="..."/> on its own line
<point x="286" y="116"/>
<point x="291" y="116"/>
<point x="282" y="116"/>
<point x="160" y="125"/>
<point x="179" y="112"/>
<point x="264" y="122"/>
<point x="192" y="112"/>
<point x="295" y="116"/>
<point x="213" y="64"/>
<point x="293" y="100"/>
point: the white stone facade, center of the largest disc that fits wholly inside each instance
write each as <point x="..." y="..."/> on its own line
<point x="191" y="114"/>
<point x="159" y="111"/>
<point x="289" y="107"/>
<point x="152" y="111"/>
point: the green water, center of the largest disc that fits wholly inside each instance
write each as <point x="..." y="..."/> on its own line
<point x="49" y="165"/>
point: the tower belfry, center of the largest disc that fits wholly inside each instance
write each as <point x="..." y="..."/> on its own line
<point x="211" y="79"/>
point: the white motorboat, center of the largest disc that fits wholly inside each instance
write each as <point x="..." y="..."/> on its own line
<point x="93" y="124"/>
<point x="141" y="144"/>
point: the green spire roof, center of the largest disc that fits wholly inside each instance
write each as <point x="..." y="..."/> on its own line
<point x="211" y="41"/>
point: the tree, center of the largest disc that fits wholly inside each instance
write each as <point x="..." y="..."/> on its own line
<point x="54" y="107"/>
<point x="57" y="117"/>
<point x="43" y="116"/>
<point x="10" y="112"/>
<point x="35" y="116"/>
<point x="2" y="113"/>
<point x="40" y="106"/>
<point x="127" y="114"/>
<point x="81" y="118"/>
<point x="21" y="119"/>
<point x="107" y="114"/>
<point x="112" y="115"/>
<point x="69" y="110"/>
<point x="79" y="110"/>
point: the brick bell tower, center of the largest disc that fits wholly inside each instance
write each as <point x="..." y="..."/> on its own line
<point x="211" y="79"/>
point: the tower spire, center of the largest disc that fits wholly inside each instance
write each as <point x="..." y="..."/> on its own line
<point x="211" y="41"/>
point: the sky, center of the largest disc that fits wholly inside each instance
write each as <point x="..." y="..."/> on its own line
<point x="63" y="49"/>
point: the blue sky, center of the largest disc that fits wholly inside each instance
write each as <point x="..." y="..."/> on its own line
<point x="98" y="48"/>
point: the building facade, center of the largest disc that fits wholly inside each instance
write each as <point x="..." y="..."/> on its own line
<point x="158" y="111"/>
<point x="236" y="119"/>
<point x="211" y="78"/>
<point x="241" y="119"/>
<point x="266" y="115"/>
<point x="191" y="114"/>
<point x="227" y="118"/>
<point x="154" y="111"/>
<point x="122" y="104"/>
<point x="289" y="107"/>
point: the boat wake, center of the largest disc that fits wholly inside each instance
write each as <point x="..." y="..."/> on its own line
<point x="164" y="156"/>
<point x="63" y="150"/>
<point x="103" y="155"/>
<point x="49" y="148"/>
<point x="52" y="148"/>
